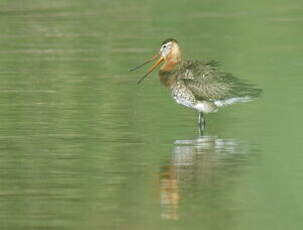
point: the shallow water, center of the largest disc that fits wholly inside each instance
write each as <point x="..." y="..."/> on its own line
<point x="84" y="147"/>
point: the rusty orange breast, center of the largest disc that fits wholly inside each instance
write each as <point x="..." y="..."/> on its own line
<point x="167" y="78"/>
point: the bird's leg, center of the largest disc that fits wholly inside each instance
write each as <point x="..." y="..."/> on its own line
<point x="201" y="123"/>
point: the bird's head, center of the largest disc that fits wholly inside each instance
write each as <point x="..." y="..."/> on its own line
<point x="170" y="50"/>
<point x="169" y="53"/>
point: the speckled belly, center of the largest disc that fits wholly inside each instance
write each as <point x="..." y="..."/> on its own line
<point x="185" y="97"/>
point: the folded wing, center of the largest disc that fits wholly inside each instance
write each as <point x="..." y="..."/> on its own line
<point x="208" y="83"/>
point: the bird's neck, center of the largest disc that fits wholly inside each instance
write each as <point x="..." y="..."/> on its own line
<point x="169" y="66"/>
<point x="168" y="73"/>
<point x="172" y="60"/>
<point x="167" y="78"/>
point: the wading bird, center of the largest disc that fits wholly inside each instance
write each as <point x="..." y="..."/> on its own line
<point x="196" y="84"/>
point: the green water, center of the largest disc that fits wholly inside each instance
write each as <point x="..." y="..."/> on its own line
<point x="83" y="147"/>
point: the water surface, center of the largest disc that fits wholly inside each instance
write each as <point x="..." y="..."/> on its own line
<point x="84" y="147"/>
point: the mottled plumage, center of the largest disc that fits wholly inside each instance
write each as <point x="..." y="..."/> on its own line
<point x="203" y="81"/>
<point x="197" y="84"/>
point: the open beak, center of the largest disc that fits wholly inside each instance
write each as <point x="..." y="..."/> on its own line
<point x="161" y="59"/>
<point x="148" y="61"/>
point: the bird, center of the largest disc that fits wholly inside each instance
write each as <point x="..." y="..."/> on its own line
<point x="198" y="85"/>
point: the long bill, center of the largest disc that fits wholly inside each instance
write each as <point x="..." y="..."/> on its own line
<point x="148" y="61"/>
<point x="161" y="59"/>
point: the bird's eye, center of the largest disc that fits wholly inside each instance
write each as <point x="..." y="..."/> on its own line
<point x="164" y="46"/>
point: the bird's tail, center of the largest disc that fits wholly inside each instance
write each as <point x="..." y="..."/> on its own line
<point x="250" y="94"/>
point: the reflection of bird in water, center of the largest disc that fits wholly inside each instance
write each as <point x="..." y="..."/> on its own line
<point x="169" y="194"/>
<point x="196" y="84"/>
<point x="194" y="162"/>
